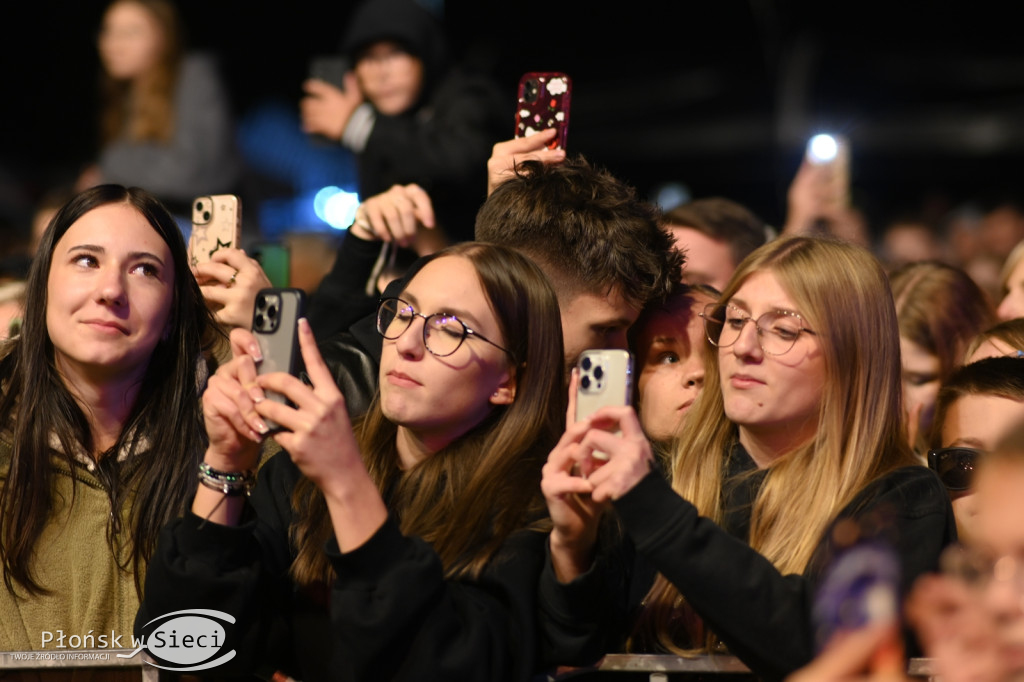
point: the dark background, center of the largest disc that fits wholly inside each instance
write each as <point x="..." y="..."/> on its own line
<point x="718" y="95"/>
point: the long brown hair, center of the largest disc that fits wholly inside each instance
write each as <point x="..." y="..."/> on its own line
<point x="843" y="293"/>
<point x="36" y="405"/>
<point x="468" y="498"/>
<point x="143" y="109"/>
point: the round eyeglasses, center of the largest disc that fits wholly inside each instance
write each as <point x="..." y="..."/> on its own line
<point x="443" y="333"/>
<point x="777" y="330"/>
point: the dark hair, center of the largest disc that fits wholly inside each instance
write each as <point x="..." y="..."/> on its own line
<point x="466" y="499"/>
<point x="724" y="220"/>
<point x="586" y="229"/>
<point x="1002" y="377"/>
<point x="166" y="418"/>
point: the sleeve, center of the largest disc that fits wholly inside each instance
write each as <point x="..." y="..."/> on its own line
<point x="763" y="616"/>
<point x="239" y="570"/>
<point x="441" y="149"/>
<point x="200" y="157"/>
<point x="340" y="298"/>
<point x="582" y="620"/>
<point x="395" y="616"/>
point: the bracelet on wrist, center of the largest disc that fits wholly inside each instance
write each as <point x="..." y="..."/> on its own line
<point x="230" y="484"/>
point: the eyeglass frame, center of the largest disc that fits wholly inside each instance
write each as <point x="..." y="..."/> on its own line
<point x="467" y="330"/>
<point x="934" y="457"/>
<point x="705" y="315"/>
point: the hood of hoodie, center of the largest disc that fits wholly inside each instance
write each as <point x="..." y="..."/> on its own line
<point x="405" y="22"/>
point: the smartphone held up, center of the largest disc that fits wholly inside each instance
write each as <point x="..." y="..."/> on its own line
<point x="216" y="224"/>
<point x="543" y="103"/>
<point x="605" y="378"/>
<point x="275" y="320"/>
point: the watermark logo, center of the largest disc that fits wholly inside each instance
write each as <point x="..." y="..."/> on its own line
<point x="186" y="640"/>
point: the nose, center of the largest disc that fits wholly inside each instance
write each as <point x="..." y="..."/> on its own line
<point x="748" y="344"/>
<point x="693" y="377"/>
<point x="1007" y="308"/>
<point x="410" y="343"/>
<point x="1002" y="594"/>
<point x="112" y="289"/>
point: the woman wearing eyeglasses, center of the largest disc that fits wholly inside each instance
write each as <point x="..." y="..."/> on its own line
<point x="407" y="545"/>
<point x="803" y="428"/>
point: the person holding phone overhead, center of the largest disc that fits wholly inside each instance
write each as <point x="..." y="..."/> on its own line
<point x="406" y="545"/>
<point x="100" y="421"/>
<point x="801" y="428"/>
<point x="410" y="115"/>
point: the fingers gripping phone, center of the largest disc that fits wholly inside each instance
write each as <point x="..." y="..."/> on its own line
<point x="605" y="378"/>
<point x="275" y="325"/>
<point x="330" y="69"/>
<point x="543" y="102"/>
<point x="216" y="224"/>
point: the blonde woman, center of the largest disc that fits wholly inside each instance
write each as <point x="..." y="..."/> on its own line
<point x="802" y="429"/>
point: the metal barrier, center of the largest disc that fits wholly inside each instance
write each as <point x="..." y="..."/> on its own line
<point x="53" y="662"/>
<point x="662" y="668"/>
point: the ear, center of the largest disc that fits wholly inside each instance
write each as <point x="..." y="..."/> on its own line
<point x="505" y="394"/>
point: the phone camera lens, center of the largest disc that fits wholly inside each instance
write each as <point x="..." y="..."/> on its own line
<point x="206" y="215"/>
<point x="530" y="90"/>
<point x="259" y="321"/>
<point x="199" y="206"/>
<point x="598" y="372"/>
<point x="585" y="381"/>
<point x="261" y="301"/>
<point x="272" y="312"/>
<point x="586" y="364"/>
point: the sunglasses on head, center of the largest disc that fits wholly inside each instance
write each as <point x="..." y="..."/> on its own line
<point x="955" y="466"/>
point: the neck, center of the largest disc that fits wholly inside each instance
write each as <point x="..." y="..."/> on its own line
<point x="106" y="403"/>
<point x="766" y="445"/>
<point x="413" y="448"/>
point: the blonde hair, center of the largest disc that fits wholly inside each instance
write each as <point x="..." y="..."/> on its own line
<point x="843" y="293"/>
<point x="143" y="109"/>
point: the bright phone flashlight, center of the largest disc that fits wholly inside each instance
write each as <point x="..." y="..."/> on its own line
<point x="822" y="148"/>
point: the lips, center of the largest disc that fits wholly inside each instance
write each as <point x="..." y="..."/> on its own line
<point x="401" y="379"/>
<point x="744" y="381"/>
<point x="110" y="325"/>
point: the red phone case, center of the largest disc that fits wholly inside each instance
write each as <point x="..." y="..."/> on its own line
<point x="543" y="102"/>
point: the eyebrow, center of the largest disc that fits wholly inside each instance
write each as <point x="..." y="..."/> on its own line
<point x="740" y="303"/>
<point x="133" y="255"/>
<point x="462" y="315"/>
<point x="967" y="442"/>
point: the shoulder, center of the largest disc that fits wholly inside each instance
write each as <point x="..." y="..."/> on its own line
<point x="911" y="491"/>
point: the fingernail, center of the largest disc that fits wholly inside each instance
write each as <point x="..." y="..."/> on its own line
<point x="257" y="395"/>
<point x="255" y="352"/>
<point x="304" y="325"/>
<point x="260" y="426"/>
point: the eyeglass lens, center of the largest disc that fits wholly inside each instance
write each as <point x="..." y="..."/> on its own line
<point x="777" y="330"/>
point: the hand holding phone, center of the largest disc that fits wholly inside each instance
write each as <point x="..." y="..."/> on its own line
<point x="543" y="103"/>
<point x="605" y="378"/>
<point x="216" y="224"/>
<point x="275" y="325"/>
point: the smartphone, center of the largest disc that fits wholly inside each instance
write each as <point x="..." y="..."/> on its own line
<point x="330" y="69"/>
<point x="543" y="102"/>
<point x="860" y="587"/>
<point x="833" y="152"/>
<point x="216" y="224"/>
<point x="275" y="320"/>
<point x="605" y="378"/>
<point x="275" y="259"/>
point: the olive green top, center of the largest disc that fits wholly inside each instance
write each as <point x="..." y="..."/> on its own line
<point x="89" y="593"/>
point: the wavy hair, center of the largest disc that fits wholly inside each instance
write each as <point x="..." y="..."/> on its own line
<point x="150" y="487"/>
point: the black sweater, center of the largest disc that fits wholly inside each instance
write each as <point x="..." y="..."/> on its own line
<point x="762" y="616"/>
<point x="390" y="615"/>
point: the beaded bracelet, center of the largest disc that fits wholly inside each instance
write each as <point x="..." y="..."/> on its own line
<point x="229" y="483"/>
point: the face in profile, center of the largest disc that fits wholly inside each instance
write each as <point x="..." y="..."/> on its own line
<point x="437" y="399"/>
<point x="591" y="320"/>
<point x="774" y="399"/>
<point x="979" y="422"/>
<point x="131" y="41"/>
<point x="109" y="295"/>
<point x="670" y="357"/>
<point x="1012" y="305"/>
<point x="389" y="77"/>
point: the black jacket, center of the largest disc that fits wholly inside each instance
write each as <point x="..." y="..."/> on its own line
<point x="390" y="615"/>
<point x="762" y="616"/>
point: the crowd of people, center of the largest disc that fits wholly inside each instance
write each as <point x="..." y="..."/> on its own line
<point x="424" y="503"/>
